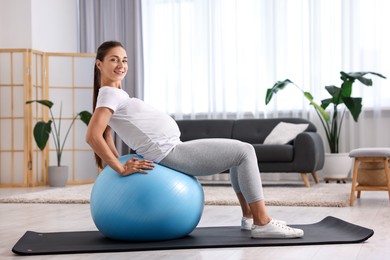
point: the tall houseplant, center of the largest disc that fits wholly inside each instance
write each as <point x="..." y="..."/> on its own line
<point x="42" y="131"/>
<point x="337" y="165"/>
<point x="332" y="122"/>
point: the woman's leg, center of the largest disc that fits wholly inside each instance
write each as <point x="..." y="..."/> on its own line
<point x="210" y="156"/>
<point x="247" y="216"/>
<point x="246" y="210"/>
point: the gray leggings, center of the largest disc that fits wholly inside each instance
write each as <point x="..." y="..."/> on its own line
<point x="203" y="157"/>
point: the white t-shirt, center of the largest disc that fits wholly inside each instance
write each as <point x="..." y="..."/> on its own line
<point x="148" y="131"/>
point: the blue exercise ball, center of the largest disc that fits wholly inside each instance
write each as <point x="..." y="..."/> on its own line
<point x="163" y="204"/>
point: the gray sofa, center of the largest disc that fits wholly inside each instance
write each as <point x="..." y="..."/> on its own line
<point x="305" y="154"/>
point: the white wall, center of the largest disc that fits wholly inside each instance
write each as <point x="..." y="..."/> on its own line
<point x="44" y="25"/>
<point x="15" y="24"/>
<point x="54" y="25"/>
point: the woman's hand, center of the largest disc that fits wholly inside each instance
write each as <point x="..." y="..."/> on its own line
<point x="134" y="165"/>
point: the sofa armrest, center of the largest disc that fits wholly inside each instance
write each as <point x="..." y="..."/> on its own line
<point x="309" y="153"/>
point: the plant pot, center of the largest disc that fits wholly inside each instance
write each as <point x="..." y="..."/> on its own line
<point x="58" y="176"/>
<point x="337" y="167"/>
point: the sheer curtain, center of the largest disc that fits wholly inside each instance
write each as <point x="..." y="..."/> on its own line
<point x="215" y="59"/>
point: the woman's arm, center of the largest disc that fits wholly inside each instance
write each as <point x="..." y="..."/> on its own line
<point x="98" y="141"/>
<point x="110" y="141"/>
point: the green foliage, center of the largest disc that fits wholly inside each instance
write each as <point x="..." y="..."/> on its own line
<point x="332" y="122"/>
<point x="43" y="129"/>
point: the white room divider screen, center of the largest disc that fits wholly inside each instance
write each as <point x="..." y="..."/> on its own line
<point x="63" y="78"/>
<point x="70" y="86"/>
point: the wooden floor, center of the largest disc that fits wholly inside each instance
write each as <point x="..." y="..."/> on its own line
<point x="371" y="211"/>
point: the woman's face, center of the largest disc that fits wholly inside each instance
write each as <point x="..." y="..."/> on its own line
<point x="113" y="67"/>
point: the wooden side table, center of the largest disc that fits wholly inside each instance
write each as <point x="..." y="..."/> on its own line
<point x="374" y="178"/>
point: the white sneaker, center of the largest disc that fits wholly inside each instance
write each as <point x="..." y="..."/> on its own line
<point x="247" y="223"/>
<point x="275" y="230"/>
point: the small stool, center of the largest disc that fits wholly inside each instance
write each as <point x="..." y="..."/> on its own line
<point x="380" y="177"/>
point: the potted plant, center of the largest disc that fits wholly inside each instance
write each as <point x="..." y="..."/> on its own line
<point x="57" y="175"/>
<point x="332" y="122"/>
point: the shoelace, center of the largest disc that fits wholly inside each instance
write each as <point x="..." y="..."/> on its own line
<point x="282" y="226"/>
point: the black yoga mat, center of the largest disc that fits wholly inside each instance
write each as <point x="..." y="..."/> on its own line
<point x="330" y="230"/>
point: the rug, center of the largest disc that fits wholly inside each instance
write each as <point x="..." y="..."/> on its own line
<point x="330" y="230"/>
<point x="318" y="195"/>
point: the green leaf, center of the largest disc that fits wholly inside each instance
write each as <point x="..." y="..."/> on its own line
<point x="352" y="76"/>
<point x="308" y="96"/>
<point x="376" y="74"/>
<point x="42" y="132"/>
<point x="335" y="92"/>
<point x="326" y="102"/>
<point x="321" y="110"/>
<point x="85" y="116"/>
<point x="44" y="102"/>
<point x="276" y="87"/>
<point x="365" y="81"/>
<point x="354" y="106"/>
<point x="346" y="88"/>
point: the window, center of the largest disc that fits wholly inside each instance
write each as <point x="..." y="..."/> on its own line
<point x="219" y="57"/>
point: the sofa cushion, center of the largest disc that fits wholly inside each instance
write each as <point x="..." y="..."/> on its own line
<point x="254" y="131"/>
<point x="274" y="153"/>
<point x="284" y="133"/>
